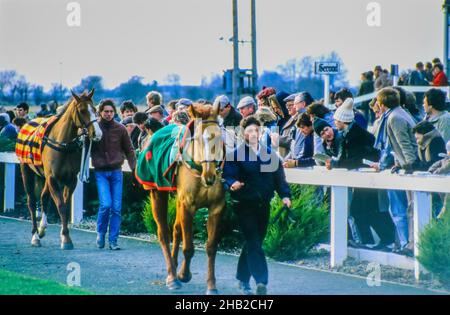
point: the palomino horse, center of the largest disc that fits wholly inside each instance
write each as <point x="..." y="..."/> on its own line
<point x="61" y="158"/>
<point x="199" y="185"/>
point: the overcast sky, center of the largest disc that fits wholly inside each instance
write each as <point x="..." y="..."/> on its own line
<point x="154" y="38"/>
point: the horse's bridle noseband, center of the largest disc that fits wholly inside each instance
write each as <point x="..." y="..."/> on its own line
<point x="85" y="125"/>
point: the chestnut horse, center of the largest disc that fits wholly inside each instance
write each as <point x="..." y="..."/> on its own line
<point x="61" y="159"/>
<point x="199" y="185"/>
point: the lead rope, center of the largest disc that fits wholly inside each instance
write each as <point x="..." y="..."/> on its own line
<point x="83" y="176"/>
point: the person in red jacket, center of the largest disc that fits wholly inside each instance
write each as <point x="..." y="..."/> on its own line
<point x="440" y="79"/>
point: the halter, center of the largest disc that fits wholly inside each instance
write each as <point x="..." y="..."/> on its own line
<point x="76" y="143"/>
<point x="192" y="167"/>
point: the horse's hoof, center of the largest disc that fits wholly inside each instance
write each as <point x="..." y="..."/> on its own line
<point x="66" y="246"/>
<point x="36" y="243"/>
<point x="185" y="278"/>
<point x="41" y="232"/>
<point x="212" y="292"/>
<point x="173" y="284"/>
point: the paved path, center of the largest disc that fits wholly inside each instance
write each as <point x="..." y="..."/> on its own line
<point x="139" y="267"/>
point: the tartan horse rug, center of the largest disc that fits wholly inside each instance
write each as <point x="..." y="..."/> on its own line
<point x="30" y="140"/>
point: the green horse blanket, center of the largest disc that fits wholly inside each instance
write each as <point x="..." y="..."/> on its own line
<point x="156" y="164"/>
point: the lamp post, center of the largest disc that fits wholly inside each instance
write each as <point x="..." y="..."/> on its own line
<point x="254" y="64"/>
<point x="446" y="56"/>
<point x="235" y="54"/>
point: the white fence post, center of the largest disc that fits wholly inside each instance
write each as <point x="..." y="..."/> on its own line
<point x="77" y="203"/>
<point x="10" y="186"/>
<point x="422" y="216"/>
<point x="339" y="215"/>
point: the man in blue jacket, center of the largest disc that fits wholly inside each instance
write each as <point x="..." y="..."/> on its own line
<point x="252" y="173"/>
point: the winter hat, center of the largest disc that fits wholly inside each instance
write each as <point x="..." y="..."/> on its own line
<point x="319" y="125"/>
<point x="265" y="92"/>
<point x="222" y="100"/>
<point x="345" y="112"/>
<point x="246" y="101"/>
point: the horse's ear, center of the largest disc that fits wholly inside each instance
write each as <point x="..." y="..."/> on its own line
<point x="216" y="109"/>
<point x="191" y="112"/>
<point x="75" y="96"/>
<point x="91" y="93"/>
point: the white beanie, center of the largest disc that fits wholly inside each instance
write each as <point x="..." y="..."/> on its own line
<point x="245" y="101"/>
<point x="345" y="112"/>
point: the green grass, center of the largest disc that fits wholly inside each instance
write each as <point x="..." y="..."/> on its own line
<point x="16" y="284"/>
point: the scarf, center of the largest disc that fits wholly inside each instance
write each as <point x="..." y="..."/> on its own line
<point x="380" y="141"/>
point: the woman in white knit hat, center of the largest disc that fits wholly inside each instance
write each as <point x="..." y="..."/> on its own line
<point x="358" y="144"/>
<point x="344" y="114"/>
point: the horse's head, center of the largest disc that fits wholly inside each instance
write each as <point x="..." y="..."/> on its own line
<point x="208" y="143"/>
<point x="84" y="115"/>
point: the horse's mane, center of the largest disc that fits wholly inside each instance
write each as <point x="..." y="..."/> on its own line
<point x="64" y="108"/>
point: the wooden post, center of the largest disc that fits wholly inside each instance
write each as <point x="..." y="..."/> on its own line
<point x="77" y="204"/>
<point x="422" y="216"/>
<point x="10" y="186"/>
<point x="339" y="210"/>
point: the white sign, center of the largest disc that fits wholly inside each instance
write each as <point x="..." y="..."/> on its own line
<point x="326" y="67"/>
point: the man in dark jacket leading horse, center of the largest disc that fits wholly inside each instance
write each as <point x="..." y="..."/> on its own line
<point x="252" y="173"/>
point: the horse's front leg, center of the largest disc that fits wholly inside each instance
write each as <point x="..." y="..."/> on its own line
<point x="214" y="218"/>
<point x="186" y="215"/>
<point x="66" y="241"/>
<point x="176" y="240"/>
<point x="159" y="201"/>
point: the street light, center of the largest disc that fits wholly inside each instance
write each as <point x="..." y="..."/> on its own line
<point x="446" y="8"/>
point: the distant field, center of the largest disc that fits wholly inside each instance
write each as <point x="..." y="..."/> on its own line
<point x="16" y="284"/>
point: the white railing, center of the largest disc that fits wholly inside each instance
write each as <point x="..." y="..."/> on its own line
<point x="340" y="180"/>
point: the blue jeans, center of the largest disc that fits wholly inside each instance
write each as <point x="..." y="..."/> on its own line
<point x="109" y="185"/>
<point x="398" y="208"/>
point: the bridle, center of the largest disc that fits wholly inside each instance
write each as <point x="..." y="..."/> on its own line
<point x="196" y="169"/>
<point x="76" y="143"/>
<point x="85" y="125"/>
